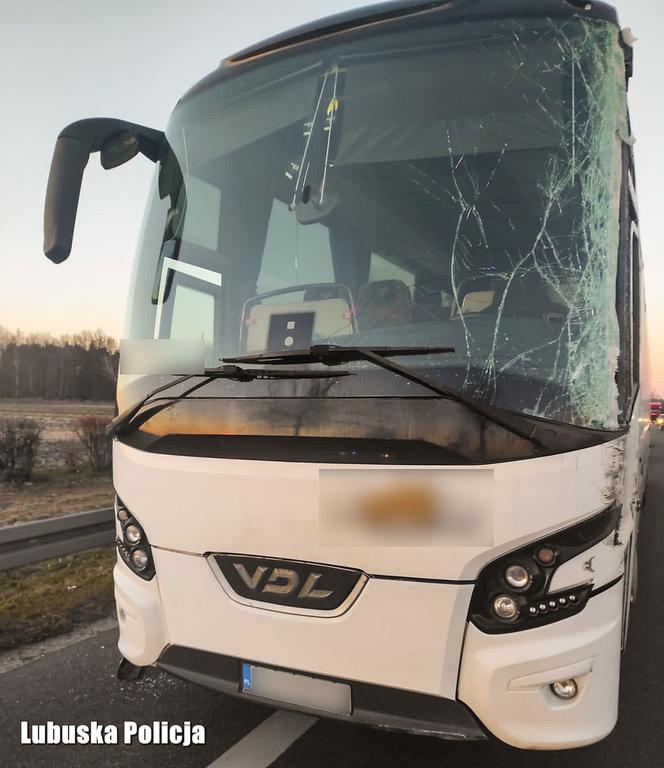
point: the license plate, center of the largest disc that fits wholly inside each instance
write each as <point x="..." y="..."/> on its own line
<point x="292" y="688"/>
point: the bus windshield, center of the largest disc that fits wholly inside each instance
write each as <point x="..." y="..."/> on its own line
<point x="449" y="184"/>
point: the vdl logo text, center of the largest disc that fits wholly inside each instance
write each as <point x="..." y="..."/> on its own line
<point x="282" y="581"/>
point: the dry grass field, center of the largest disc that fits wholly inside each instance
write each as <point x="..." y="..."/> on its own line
<point x="57" y="418"/>
<point x="63" y="483"/>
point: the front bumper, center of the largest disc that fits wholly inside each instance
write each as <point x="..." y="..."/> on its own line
<point x="405" y="647"/>
<point x="374" y="705"/>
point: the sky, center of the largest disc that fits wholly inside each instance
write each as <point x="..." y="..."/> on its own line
<point x="133" y="59"/>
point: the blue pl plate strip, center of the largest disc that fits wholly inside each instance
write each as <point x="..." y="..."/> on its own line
<point x="246" y="677"/>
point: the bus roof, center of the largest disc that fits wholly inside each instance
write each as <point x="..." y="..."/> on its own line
<point x="455" y="9"/>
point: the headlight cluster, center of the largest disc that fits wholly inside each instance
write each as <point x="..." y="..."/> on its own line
<point x="133" y="547"/>
<point x="512" y="592"/>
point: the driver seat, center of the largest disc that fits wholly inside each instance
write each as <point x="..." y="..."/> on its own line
<point x="384" y="303"/>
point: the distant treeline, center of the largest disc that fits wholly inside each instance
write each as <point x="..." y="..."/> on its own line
<point x="82" y="366"/>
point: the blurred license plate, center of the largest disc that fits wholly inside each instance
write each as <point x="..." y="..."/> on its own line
<point x="291" y="688"/>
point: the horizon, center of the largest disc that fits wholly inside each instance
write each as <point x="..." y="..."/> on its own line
<point x="32" y="336"/>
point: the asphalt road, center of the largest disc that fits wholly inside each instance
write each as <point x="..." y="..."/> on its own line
<point x="77" y="684"/>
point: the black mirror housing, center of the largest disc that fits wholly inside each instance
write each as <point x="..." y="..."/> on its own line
<point x="118" y="141"/>
<point x="119" y="150"/>
<point x="70" y="157"/>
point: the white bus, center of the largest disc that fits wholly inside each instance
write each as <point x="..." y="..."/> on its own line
<point x="383" y="406"/>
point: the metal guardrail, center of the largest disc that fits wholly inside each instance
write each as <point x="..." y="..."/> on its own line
<point x="26" y="543"/>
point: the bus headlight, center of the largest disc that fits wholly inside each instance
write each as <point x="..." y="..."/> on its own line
<point x="133" y="548"/>
<point x="512" y="592"/>
<point x="517" y="577"/>
<point x="140" y="559"/>
<point x="505" y="607"/>
<point x="132" y="534"/>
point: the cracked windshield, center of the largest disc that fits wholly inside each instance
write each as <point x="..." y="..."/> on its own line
<point x="358" y="194"/>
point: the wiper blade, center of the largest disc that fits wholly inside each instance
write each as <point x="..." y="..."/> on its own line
<point x="123" y="420"/>
<point x="334" y="354"/>
<point x="331" y="354"/>
<point x="251" y="374"/>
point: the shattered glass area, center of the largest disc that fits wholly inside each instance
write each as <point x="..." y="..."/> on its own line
<point x="452" y="184"/>
<point x="573" y="267"/>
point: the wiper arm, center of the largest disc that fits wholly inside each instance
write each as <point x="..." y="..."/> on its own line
<point x="331" y="354"/>
<point x="334" y="354"/>
<point x="123" y="420"/>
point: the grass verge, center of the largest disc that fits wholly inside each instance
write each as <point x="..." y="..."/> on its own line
<point x="50" y="598"/>
<point x="54" y="492"/>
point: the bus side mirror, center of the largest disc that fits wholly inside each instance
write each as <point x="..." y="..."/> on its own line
<point x="118" y="150"/>
<point x="70" y="157"/>
<point x="117" y="140"/>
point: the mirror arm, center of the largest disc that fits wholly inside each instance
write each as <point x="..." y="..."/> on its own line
<point x="150" y="143"/>
<point x="98" y="131"/>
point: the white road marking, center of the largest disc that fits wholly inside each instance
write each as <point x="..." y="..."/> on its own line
<point x="262" y="746"/>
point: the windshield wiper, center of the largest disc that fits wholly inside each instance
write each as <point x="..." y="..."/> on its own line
<point x="331" y="354"/>
<point x="334" y="354"/>
<point x="125" y="419"/>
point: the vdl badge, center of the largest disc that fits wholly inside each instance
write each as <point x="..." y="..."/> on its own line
<point x="288" y="582"/>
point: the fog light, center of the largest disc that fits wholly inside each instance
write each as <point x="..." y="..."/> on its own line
<point x="133" y="534"/>
<point x="565" y="689"/>
<point x="517" y="576"/>
<point x="505" y="607"/>
<point x="140" y="559"/>
<point x="123" y="515"/>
